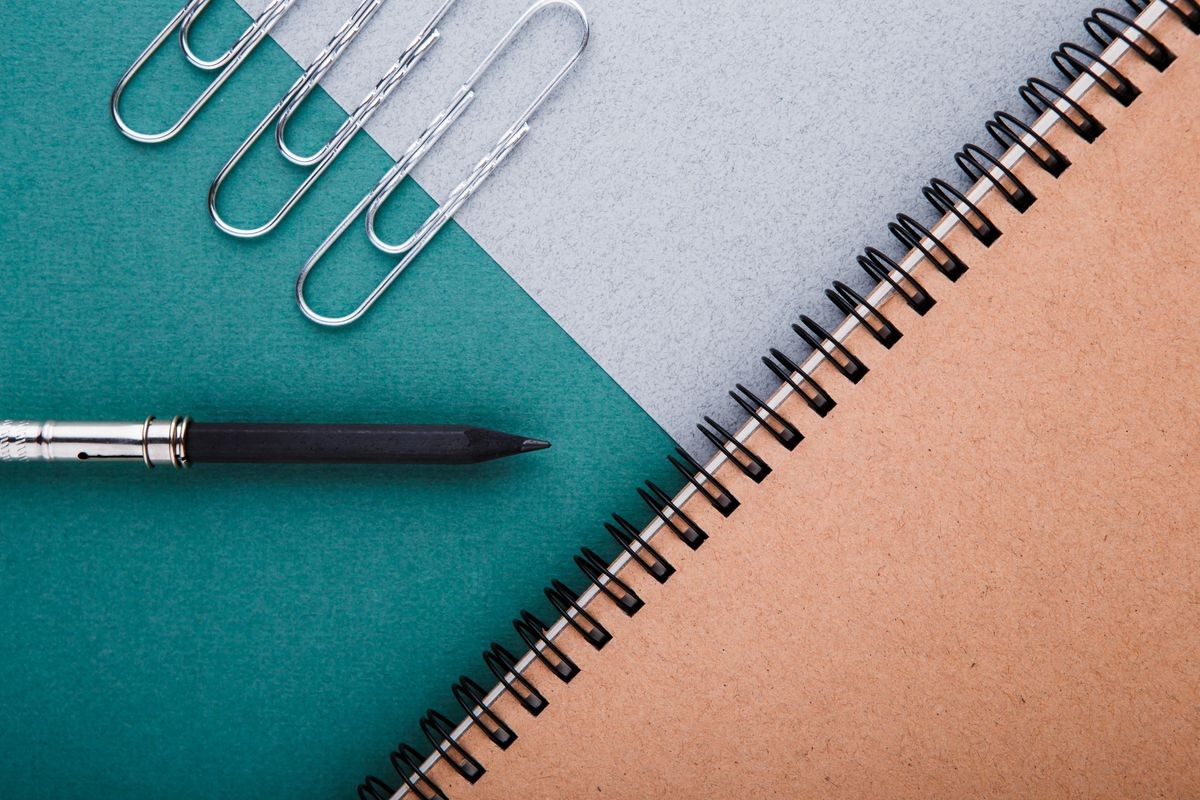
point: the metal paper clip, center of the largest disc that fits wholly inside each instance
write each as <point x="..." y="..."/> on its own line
<point x="370" y="204"/>
<point x="281" y="115"/>
<point x="227" y="63"/>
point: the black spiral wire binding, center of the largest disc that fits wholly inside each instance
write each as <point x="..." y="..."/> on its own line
<point x="565" y="601"/>
<point x="470" y="695"/>
<point x="533" y="631"/>
<point x="978" y="164"/>
<point x="784" y="432"/>
<point x="1150" y="49"/>
<point x="646" y="556"/>
<point x="848" y="302"/>
<point x="596" y="570"/>
<point x="742" y="456"/>
<point x="946" y="200"/>
<point x="437" y="729"/>
<point x="840" y="356"/>
<point x="503" y="665"/>
<point x="713" y="490"/>
<point x="912" y="235"/>
<point x="1007" y="129"/>
<point x="881" y="267"/>
<point x="663" y="506"/>
<point x="406" y="761"/>
<point x="805" y="385"/>
<point x="1085" y="125"/>
<point x="1072" y="60"/>
<point x="374" y="789"/>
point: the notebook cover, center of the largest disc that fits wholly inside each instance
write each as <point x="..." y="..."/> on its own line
<point x="980" y="576"/>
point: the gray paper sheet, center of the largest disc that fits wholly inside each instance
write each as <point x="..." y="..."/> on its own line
<point x="710" y="166"/>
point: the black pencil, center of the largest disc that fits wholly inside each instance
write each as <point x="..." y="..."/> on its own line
<point x="180" y="442"/>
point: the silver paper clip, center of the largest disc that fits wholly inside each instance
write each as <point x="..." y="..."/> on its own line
<point x="282" y="114"/>
<point x="370" y="204"/>
<point x="227" y="63"/>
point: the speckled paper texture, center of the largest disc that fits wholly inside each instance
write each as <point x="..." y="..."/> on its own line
<point x="980" y="575"/>
<point x="711" y="165"/>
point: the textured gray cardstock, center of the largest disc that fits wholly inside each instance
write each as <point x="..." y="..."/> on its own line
<point x="708" y="168"/>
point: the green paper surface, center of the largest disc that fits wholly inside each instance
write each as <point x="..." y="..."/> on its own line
<point x="255" y="631"/>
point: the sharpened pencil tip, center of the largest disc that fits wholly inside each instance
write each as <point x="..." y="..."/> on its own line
<point x="533" y="444"/>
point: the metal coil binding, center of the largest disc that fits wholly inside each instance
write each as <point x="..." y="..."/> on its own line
<point x="503" y="665"/>
<point x="672" y="516"/>
<point x="533" y="631"/>
<point x="406" y="761"/>
<point x="849" y="301"/>
<point x="1085" y="125"/>
<point x="1152" y="51"/>
<point x="802" y="383"/>
<point x="596" y="570"/>
<point x="840" y="356"/>
<point x="784" y="431"/>
<point x="979" y="165"/>
<point x="713" y="490"/>
<point x="566" y="603"/>
<point x="883" y="269"/>
<point x="742" y="456"/>
<point x="1074" y="60"/>
<point x="470" y="695"/>
<point x="946" y="200"/>
<point x="1007" y="130"/>
<point x="649" y="559"/>
<point x="437" y="729"/>
<point x="913" y="235"/>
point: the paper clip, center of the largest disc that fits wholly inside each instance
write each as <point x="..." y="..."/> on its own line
<point x="227" y="63"/>
<point x="370" y="204"/>
<point x="281" y="115"/>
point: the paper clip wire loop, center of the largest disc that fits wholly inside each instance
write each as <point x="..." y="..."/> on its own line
<point x="370" y="204"/>
<point x="228" y="63"/>
<point x="281" y="115"/>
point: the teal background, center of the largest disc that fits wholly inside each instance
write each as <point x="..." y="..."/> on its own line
<point x="237" y="631"/>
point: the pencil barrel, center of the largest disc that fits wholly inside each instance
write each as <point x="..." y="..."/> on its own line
<point x="252" y="443"/>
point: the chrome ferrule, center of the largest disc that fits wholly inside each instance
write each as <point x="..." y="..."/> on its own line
<point x="153" y="442"/>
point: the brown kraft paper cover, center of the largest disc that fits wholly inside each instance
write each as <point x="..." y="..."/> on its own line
<point x="980" y="575"/>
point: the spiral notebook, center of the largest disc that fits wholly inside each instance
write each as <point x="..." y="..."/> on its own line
<point x="956" y="554"/>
